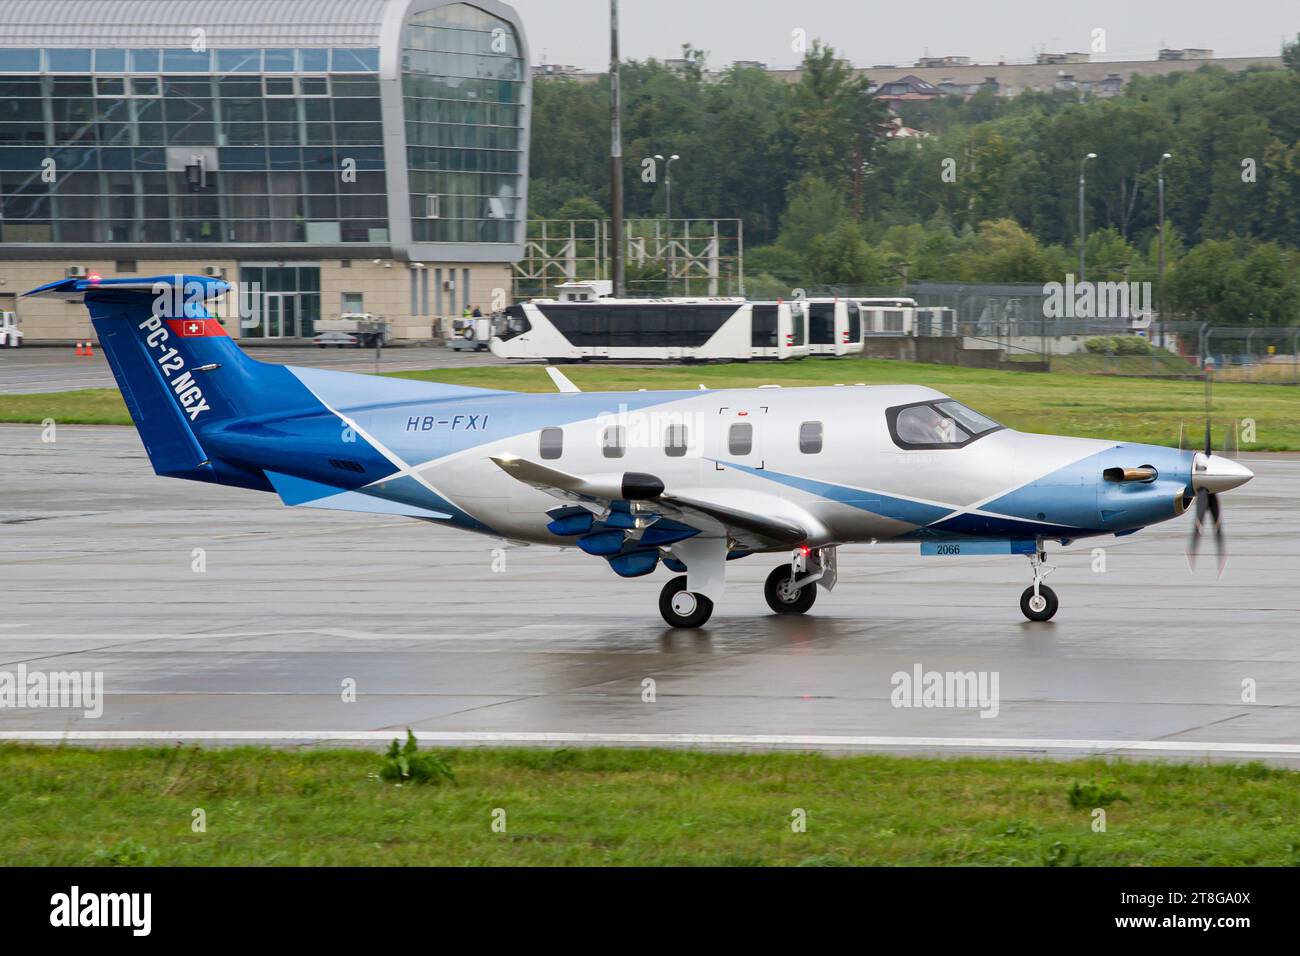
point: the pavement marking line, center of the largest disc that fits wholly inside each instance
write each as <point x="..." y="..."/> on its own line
<point x="772" y="740"/>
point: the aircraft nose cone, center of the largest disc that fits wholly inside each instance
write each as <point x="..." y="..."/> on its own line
<point x="1216" y="473"/>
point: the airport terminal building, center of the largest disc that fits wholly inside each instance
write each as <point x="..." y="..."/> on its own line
<point x="341" y="155"/>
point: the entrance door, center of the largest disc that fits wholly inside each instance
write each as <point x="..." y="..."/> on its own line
<point x="281" y="315"/>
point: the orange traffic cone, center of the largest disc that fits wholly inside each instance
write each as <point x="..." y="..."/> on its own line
<point x="80" y="348"/>
<point x="90" y="347"/>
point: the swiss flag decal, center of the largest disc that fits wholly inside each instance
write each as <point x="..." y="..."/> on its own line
<point x="196" y="328"/>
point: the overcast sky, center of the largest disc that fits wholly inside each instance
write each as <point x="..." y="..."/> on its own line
<point x="576" y="31"/>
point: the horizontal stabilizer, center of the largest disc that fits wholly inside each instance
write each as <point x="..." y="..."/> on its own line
<point x="300" y="492"/>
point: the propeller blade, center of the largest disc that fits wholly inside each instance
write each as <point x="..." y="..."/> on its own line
<point x="1198" y="523"/>
<point x="1181" y="429"/>
<point x="1220" y="545"/>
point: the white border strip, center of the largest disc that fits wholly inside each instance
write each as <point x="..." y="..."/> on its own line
<point x="702" y="740"/>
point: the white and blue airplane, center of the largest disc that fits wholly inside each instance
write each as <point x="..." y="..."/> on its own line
<point x="687" y="479"/>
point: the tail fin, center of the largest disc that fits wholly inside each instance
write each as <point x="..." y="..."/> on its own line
<point x="162" y="344"/>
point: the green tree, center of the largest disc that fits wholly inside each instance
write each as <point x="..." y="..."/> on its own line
<point x="1291" y="54"/>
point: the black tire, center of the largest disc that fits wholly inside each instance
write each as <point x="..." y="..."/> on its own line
<point x="777" y="593"/>
<point x="1044" y="613"/>
<point x="702" y="611"/>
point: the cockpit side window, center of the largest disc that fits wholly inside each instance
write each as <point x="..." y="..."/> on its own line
<point x="942" y="423"/>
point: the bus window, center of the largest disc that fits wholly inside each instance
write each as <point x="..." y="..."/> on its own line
<point x="855" y="321"/>
<point x="821" y="323"/>
<point x="797" y="326"/>
<point x="740" y="438"/>
<point x="675" y="441"/>
<point x="810" y="438"/>
<point x="763" y="326"/>
<point x="551" y="443"/>
<point x="516" y="323"/>
<point x="613" y="442"/>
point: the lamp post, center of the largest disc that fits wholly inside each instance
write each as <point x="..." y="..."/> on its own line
<point x="615" y="157"/>
<point x="1160" y="260"/>
<point x="668" y="207"/>
<point x="1083" y="233"/>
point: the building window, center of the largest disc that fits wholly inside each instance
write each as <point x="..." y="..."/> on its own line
<point x="740" y="438"/>
<point x="551" y="443"/>
<point x="810" y="438"/>
<point x="675" y="441"/>
<point x="124" y="265"/>
<point x="353" y="302"/>
<point x="612" y="442"/>
<point x="431" y="206"/>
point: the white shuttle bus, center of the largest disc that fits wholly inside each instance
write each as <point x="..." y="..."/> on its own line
<point x="834" y="326"/>
<point x="885" y="316"/>
<point x="667" y="329"/>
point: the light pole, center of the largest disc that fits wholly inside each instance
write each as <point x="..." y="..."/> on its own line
<point x="668" y="207"/>
<point x="1083" y="232"/>
<point x="1160" y="260"/>
<point x="615" y="157"/>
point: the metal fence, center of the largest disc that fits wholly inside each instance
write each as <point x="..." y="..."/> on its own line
<point x="1015" y="317"/>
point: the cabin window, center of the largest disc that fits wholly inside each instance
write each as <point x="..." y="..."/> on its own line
<point x="675" y="441"/>
<point x="613" y="443"/>
<point x="810" y="438"/>
<point x="551" y="443"/>
<point x="740" y="438"/>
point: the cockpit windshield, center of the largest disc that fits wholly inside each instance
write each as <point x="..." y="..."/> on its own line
<point x="942" y="423"/>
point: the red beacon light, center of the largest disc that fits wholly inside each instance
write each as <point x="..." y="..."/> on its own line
<point x="95" y="278"/>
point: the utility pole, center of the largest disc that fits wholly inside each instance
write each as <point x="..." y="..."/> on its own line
<point x="615" y="158"/>
<point x="1083" y="228"/>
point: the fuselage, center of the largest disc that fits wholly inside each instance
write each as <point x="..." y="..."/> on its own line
<point x="826" y="452"/>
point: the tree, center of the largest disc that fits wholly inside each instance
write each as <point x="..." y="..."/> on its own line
<point x="1237" y="282"/>
<point x="814" y="207"/>
<point x="837" y="122"/>
<point x="842" y="257"/>
<point x="1291" y="54"/>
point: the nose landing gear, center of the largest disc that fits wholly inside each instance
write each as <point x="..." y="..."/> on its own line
<point x="1039" y="602"/>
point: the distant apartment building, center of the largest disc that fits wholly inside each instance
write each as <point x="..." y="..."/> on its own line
<point x="933" y="76"/>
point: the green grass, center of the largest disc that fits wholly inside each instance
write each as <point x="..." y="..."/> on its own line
<point x="68" y="806"/>
<point x="1094" y="406"/>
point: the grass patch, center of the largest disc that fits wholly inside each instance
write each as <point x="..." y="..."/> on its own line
<point x="71" y="806"/>
<point x="1061" y="403"/>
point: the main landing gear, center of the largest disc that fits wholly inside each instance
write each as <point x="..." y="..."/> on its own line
<point x="791" y="588"/>
<point x="1039" y="602"/>
<point x="680" y="607"/>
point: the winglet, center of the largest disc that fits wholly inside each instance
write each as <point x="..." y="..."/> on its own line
<point x="561" y="380"/>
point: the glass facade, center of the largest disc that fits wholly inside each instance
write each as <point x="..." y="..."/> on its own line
<point x="287" y="303"/>
<point x="463" y="94"/>
<point x="173" y="146"/>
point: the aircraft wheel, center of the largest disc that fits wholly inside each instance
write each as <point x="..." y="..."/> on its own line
<point x="680" y="607"/>
<point x="785" y="599"/>
<point x="1042" y="607"/>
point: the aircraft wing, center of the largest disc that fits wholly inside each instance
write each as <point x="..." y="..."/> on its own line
<point x="755" y="524"/>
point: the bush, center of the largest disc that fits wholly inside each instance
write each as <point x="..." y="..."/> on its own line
<point x="1132" y="345"/>
<point x="406" y="764"/>
<point x="1118" y="345"/>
